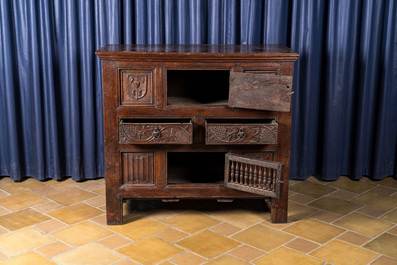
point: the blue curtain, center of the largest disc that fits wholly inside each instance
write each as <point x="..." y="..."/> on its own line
<point x="345" y="101"/>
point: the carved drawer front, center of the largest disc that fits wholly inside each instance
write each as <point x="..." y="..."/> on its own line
<point x="156" y="132"/>
<point x="260" y="91"/>
<point x="240" y="133"/>
<point x="136" y="88"/>
<point x="253" y="175"/>
<point x="138" y="168"/>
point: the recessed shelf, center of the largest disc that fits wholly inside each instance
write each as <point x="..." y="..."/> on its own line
<point x="197" y="87"/>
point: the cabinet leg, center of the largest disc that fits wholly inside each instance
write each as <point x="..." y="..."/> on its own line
<point x="279" y="211"/>
<point x="114" y="212"/>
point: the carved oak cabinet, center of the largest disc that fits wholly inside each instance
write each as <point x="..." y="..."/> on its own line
<point x="197" y="122"/>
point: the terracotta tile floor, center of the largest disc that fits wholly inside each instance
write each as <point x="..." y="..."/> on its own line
<point x="341" y="222"/>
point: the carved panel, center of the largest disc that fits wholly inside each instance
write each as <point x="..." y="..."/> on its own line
<point x="253" y="175"/>
<point x="138" y="168"/>
<point x="241" y="133"/>
<point x="136" y="88"/>
<point x="260" y="91"/>
<point x="159" y="133"/>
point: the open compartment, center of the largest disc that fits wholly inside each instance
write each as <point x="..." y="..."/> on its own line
<point x="193" y="167"/>
<point x="197" y="87"/>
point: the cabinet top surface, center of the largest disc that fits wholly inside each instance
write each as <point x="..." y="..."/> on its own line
<point x="196" y="51"/>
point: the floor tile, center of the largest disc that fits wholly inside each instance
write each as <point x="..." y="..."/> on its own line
<point x="3" y="256"/>
<point x="335" y="205"/>
<point x="371" y="211"/>
<point x="226" y="229"/>
<point x="47" y="206"/>
<point x="23" y="240"/>
<point x="4" y="211"/>
<point x="297" y="211"/>
<point x="247" y="253"/>
<point x="385" y="244"/>
<point x="191" y="222"/>
<point x="30" y="258"/>
<point x="354" y="238"/>
<point x="21" y="219"/>
<point x="159" y="214"/>
<point x="241" y="218"/>
<point x="92" y="185"/>
<point x="312" y="189"/>
<point x="388" y="182"/>
<point x="302" y="245"/>
<point x="352" y="185"/>
<point x="227" y="260"/>
<point x="3" y="193"/>
<point x="44" y="190"/>
<point x="127" y="262"/>
<point x="301" y="198"/>
<point x="344" y="195"/>
<point x="54" y="249"/>
<point x="62" y="184"/>
<point x="115" y="241"/>
<point x="384" y="190"/>
<point x="314" y="230"/>
<point x="3" y="231"/>
<point x="384" y="260"/>
<point x="208" y="244"/>
<point x="278" y="226"/>
<point x="93" y="254"/>
<point x="150" y="251"/>
<point x="255" y="236"/>
<point x="81" y="234"/>
<point x="347" y="253"/>
<point x="172" y="235"/>
<point x="139" y="228"/>
<point x="364" y="224"/>
<point x="188" y="258"/>
<point x="50" y="226"/>
<point x="18" y="201"/>
<point x="10" y="186"/>
<point x="393" y="231"/>
<point x="75" y="213"/>
<point x="377" y="200"/>
<point x="71" y="196"/>
<point x="96" y="201"/>
<point x="101" y="191"/>
<point x="285" y="256"/>
<point x="326" y="216"/>
<point x="391" y="216"/>
<point x="101" y="220"/>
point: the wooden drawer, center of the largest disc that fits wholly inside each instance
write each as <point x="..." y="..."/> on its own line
<point x="154" y="132"/>
<point x="244" y="132"/>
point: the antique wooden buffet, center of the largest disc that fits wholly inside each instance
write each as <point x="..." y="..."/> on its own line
<point x="197" y="122"/>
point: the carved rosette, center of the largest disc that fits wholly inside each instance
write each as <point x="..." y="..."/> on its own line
<point x="241" y="134"/>
<point x="156" y="133"/>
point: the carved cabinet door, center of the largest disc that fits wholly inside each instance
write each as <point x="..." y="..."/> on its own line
<point x="274" y="91"/>
<point x="258" y="176"/>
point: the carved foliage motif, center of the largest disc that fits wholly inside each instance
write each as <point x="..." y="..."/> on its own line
<point x="156" y="133"/>
<point x="242" y="134"/>
<point x="138" y="168"/>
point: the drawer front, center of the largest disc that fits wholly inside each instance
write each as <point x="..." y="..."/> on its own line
<point x="136" y="88"/>
<point x="156" y="133"/>
<point x="241" y="133"/>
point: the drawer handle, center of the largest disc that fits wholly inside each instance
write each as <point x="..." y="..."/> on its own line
<point x="241" y="134"/>
<point x="156" y="133"/>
